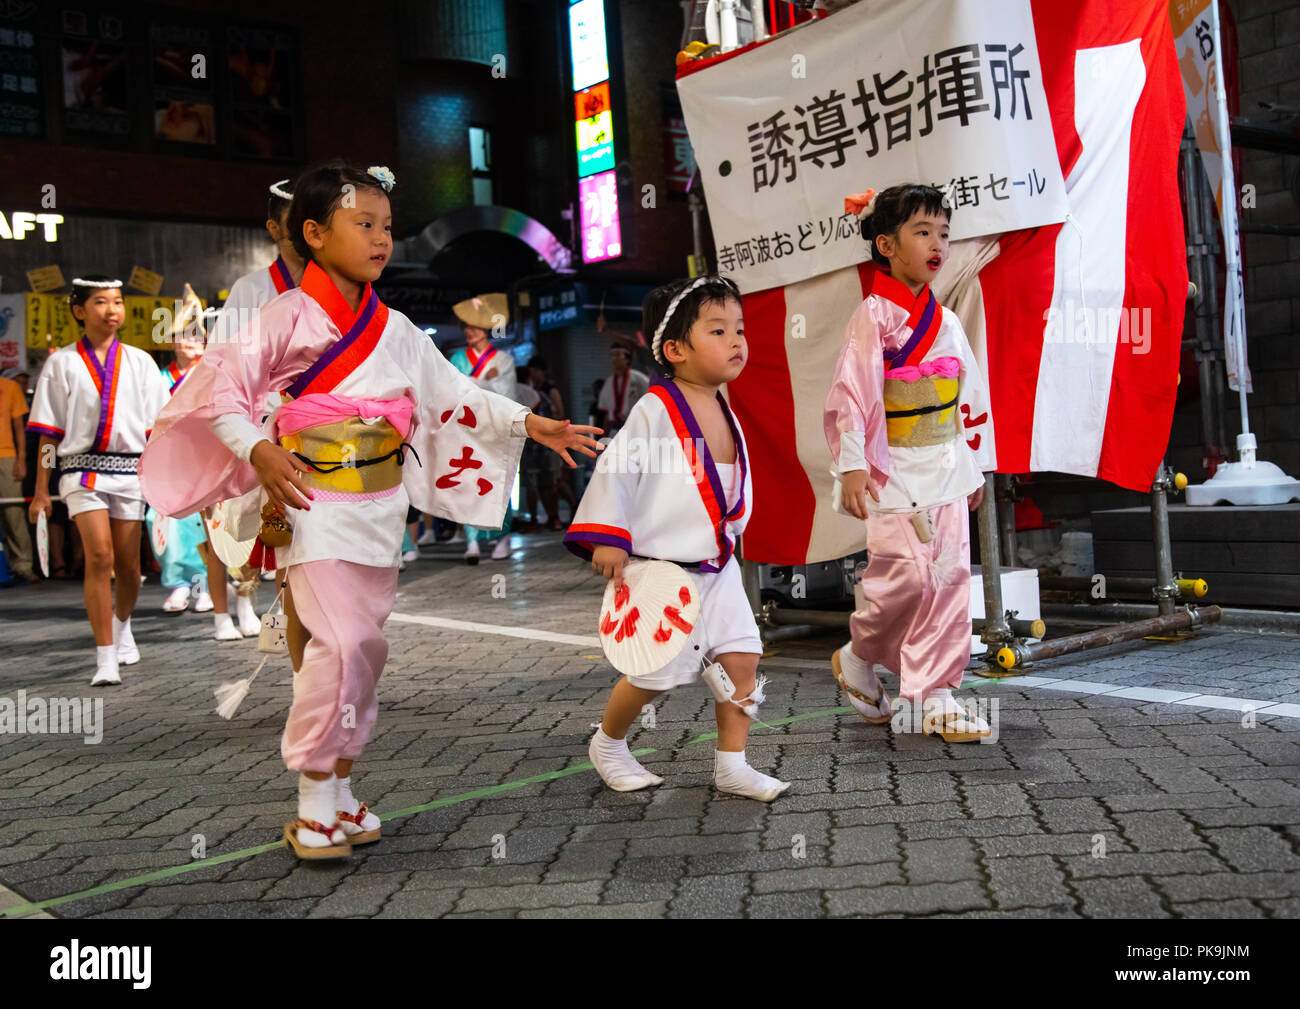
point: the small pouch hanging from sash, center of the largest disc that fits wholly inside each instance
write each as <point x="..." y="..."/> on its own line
<point x="273" y="637"/>
<point x="923" y="525"/>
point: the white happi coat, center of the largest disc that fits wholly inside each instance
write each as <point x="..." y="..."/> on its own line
<point x="103" y="411"/>
<point x="187" y="466"/>
<point x="656" y="492"/>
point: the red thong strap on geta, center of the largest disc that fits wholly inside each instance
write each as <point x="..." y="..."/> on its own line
<point x="356" y="817"/>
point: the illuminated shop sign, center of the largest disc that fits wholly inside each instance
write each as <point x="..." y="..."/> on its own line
<point x="20" y="223"/>
<point x="594" y="132"/>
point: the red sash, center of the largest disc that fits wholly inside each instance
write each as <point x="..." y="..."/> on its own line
<point x="280" y="275"/>
<point x="476" y="367"/>
<point x="924" y="317"/>
<point x="361" y="333"/>
<point x="707" y="481"/>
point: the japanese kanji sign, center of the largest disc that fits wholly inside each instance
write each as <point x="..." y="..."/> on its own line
<point x="884" y="92"/>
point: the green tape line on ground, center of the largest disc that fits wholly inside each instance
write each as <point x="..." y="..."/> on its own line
<point x="20" y="910"/>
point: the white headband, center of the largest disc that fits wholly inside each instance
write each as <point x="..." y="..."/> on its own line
<point x="657" y="345"/>
<point x="277" y="191"/>
<point x="78" y="282"/>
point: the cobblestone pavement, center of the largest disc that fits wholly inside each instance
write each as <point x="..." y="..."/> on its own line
<point x="479" y="765"/>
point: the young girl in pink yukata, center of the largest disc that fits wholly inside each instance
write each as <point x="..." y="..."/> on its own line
<point x="908" y="423"/>
<point x="372" y="419"/>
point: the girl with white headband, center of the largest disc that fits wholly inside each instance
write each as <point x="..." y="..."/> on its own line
<point x="372" y="418"/>
<point x="674" y="485"/>
<point x="96" y="401"/>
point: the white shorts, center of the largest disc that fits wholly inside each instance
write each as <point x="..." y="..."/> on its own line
<point x="85" y="500"/>
<point x="725" y="624"/>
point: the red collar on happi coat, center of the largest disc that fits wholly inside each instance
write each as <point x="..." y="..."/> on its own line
<point x="280" y="275"/>
<point x="924" y="317"/>
<point x="476" y="365"/>
<point x="360" y="333"/>
<point x="707" y="481"/>
<point x="105" y="377"/>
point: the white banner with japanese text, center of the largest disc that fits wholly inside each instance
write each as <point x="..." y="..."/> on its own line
<point x="885" y="92"/>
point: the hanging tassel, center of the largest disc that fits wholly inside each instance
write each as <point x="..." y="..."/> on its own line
<point x="231" y="695"/>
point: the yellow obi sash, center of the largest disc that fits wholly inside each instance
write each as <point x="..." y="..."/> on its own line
<point x="349" y="456"/>
<point x="922" y="411"/>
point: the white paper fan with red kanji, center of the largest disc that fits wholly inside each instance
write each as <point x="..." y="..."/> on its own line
<point x="233" y="553"/>
<point x="647" y="622"/>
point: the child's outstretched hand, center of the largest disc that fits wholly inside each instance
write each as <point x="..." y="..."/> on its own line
<point x="608" y="562"/>
<point x="561" y="435"/>
<point x="278" y="470"/>
<point x="854" y="488"/>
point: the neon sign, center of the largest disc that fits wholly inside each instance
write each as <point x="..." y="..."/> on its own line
<point x="24" y="222"/>
<point x="594" y="132"/>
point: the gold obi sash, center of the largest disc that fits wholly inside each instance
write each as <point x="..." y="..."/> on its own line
<point x="349" y="456"/>
<point x="923" y="412"/>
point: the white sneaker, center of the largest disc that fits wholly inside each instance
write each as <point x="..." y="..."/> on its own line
<point x="250" y="625"/>
<point x="204" y="603"/>
<point x="178" y="601"/>
<point x="127" y="653"/>
<point x="472" y="552"/>
<point x="225" y="629"/>
<point x="411" y="555"/>
<point x="459" y="536"/>
<point x="502" y="550"/>
<point x="427" y="538"/>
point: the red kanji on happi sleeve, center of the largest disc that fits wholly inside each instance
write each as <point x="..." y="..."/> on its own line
<point x="467" y="417"/>
<point x="464" y="462"/>
<point x="968" y="421"/>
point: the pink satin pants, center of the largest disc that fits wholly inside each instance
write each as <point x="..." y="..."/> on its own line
<point x="916" y="622"/>
<point x="343" y="606"/>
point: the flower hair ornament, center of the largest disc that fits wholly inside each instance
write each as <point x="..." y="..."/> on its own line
<point x="277" y="189"/>
<point x="78" y="282"/>
<point x="860" y="203"/>
<point x="383" y="176"/>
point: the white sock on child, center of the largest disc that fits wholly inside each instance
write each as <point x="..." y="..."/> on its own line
<point x="348" y="803"/>
<point x="731" y="773"/>
<point x="616" y="766"/>
<point x="859" y="675"/>
<point x="127" y="653"/>
<point x="317" y="800"/>
<point x="224" y="628"/>
<point x="249" y="622"/>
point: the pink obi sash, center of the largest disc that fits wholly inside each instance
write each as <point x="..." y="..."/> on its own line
<point x="315" y="409"/>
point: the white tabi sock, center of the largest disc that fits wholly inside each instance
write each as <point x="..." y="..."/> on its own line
<point x="249" y="622"/>
<point x="127" y="653"/>
<point x="317" y="800"/>
<point x="731" y="773"/>
<point x="349" y="803"/>
<point x="616" y="766"/>
<point x="224" y="628"/>
<point x="859" y="675"/>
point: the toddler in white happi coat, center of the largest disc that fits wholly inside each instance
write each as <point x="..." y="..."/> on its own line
<point x="674" y="485"/>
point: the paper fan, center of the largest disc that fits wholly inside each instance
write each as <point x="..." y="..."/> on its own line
<point x="158" y="534"/>
<point x="43" y="543"/>
<point x="233" y="553"/>
<point x="646" y="623"/>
